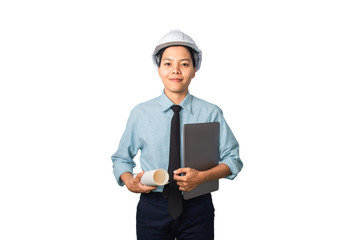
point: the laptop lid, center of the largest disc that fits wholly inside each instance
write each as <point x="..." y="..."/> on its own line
<point x="201" y="152"/>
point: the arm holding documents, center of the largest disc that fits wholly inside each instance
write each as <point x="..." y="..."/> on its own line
<point x="193" y="178"/>
<point x="197" y="149"/>
<point x="134" y="184"/>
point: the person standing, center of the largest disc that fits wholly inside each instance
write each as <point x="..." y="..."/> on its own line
<point x="154" y="128"/>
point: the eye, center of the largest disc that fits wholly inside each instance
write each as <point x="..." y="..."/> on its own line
<point x="167" y="64"/>
<point x="185" y="64"/>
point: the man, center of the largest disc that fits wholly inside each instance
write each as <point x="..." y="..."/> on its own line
<point x="154" y="127"/>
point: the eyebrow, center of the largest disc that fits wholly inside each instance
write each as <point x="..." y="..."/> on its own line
<point x="170" y="59"/>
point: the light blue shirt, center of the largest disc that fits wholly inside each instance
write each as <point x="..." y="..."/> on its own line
<point x="148" y="130"/>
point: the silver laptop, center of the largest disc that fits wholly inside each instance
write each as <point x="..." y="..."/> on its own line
<point x="201" y="152"/>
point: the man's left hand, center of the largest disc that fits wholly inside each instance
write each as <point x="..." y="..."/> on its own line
<point x="190" y="179"/>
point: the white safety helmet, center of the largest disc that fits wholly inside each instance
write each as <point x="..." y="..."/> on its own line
<point x="178" y="38"/>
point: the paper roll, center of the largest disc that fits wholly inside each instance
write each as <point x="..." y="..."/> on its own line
<point x="158" y="177"/>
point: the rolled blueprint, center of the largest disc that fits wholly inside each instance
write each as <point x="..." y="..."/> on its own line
<point x="158" y="177"/>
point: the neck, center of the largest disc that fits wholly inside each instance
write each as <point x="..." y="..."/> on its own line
<point x="175" y="97"/>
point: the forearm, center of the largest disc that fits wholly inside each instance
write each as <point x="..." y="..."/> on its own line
<point x="127" y="178"/>
<point x="193" y="178"/>
<point x="220" y="171"/>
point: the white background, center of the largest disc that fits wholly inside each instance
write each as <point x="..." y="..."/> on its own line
<point x="282" y="72"/>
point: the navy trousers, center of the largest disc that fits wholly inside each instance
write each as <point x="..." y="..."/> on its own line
<point x="153" y="222"/>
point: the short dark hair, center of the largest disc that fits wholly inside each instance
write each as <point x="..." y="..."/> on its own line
<point x="160" y="53"/>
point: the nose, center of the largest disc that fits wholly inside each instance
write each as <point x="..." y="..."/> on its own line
<point x="176" y="70"/>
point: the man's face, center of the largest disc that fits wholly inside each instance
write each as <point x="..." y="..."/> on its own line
<point x="176" y="70"/>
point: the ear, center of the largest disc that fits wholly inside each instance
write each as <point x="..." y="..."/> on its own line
<point x="158" y="70"/>
<point x="194" y="71"/>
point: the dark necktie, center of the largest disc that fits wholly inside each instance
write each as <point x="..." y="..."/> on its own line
<point x="174" y="195"/>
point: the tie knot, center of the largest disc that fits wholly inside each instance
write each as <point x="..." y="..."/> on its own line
<point x="176" y="108"/>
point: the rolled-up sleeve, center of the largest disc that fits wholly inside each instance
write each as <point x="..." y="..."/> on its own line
<point x="229" y="148"/>
<point x="128" y="148"/>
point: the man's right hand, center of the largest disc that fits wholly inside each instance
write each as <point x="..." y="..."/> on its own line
<point x="134" y="185"/>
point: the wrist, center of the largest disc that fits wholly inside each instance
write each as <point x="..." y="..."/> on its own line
<point x="203" y="176"/>
<point x="127" y="178"/>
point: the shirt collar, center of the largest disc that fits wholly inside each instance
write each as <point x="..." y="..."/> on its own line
<point x="186" y="104"/>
